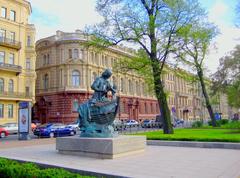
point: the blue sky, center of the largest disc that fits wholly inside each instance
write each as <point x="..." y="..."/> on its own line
<point x="69" y="15"/>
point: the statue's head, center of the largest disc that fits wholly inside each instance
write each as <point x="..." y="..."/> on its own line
<point x="107" y="73"/>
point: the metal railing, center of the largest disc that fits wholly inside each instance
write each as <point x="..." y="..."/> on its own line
<point x="10" y="43"/>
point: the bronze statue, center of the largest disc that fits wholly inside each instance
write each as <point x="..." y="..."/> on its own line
<point x="96" y="115"/>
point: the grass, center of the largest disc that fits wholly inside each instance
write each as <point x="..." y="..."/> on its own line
<point x="208" y="135"/>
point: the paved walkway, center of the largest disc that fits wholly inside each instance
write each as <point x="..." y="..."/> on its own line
<point x="156" y="161"/>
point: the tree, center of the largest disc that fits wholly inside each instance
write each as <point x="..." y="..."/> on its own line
<point x="193" y="47"/>
<point x="151" y="25"/>
<point x="227" y="78"/>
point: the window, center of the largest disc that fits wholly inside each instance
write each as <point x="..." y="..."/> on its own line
<point x="45" y="81"/>
<point x="12" y="36"/>
<point x="1" y="110"/>
<point x="4" y="12"/>
<point x="48" y="59"/>
<point x="2" y="57"/>
<point x="75" y="105"/>
<point x="10" y="86"/>
<point x="81" y="54"/>
<point x="121" y="85"/>
<point x="27" y="91"/>
<point x="29" y="41"/>
<point x="75" y="54"/>
<point x="61" y="77"/>
<point x="28" y="64"/>
<point x="75" y="78"/>
<point x="2" y="35"/>
<point x="11" y="58"/>
<point x="1" y="85"/>
<point x="12" y="15"/>
<point x="10" y="110"/>
<point x="130" y="86"/>
<point x="44" y="60"/>
<point x="70" y="53"/>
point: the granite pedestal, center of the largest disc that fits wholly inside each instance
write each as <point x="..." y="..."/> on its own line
<point x="103" y="148"/>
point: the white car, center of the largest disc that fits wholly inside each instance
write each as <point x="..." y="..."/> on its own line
<point x="12" y="128"/>
<point x="131" y="123"/>
<point x="74" y="125"/>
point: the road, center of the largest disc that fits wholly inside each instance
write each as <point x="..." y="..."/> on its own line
<point x="14" y="137"/>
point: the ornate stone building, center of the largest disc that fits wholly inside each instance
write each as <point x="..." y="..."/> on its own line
<point x="66" y="68"/>
<point x="17" y="58"/>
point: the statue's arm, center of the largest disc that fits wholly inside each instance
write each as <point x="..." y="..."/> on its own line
<point x="95" y="86"/>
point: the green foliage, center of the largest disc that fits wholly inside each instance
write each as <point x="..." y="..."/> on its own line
<point x="12" y="169"/>
<point x="233" y="93"/>
<point x="232" y="125"/>
<point x="197" y="124"/>
<point x="208" y="135"/>
<point x="224" y="121"/>
<point x="218" y="123"/>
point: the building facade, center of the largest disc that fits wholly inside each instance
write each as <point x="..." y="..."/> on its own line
<point x="66" y="69"/>
<point x="17" y="58"/>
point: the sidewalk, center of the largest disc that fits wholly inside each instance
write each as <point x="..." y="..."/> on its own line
<point x="156" y="161"/>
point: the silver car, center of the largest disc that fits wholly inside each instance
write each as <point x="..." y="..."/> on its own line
<point x="12" y="128"/>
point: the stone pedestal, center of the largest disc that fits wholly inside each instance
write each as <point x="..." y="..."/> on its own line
<point x="103" y="148"/>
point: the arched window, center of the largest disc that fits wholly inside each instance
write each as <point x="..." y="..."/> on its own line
<point x="44" y="60"/>
<point x="129" y="86"/>
<point x="75" y="54"/>
<point x="10" y="86"/>
<point x="121" y="85"/>
<point x="75" y="78"/>
<point x="48" y="59"/>
<point x="45" y="81"/>
<point x="1" y="85"/>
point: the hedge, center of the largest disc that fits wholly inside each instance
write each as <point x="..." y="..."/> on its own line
<point x="12" y="169"/>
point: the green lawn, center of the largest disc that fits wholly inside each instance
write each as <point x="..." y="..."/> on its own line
<point x="209" y="135"/>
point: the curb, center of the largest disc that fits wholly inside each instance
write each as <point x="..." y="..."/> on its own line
<point x="77" y="171"/>
<point x="221" y="145"/>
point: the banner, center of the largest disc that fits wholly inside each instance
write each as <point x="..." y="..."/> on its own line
<point x="23" y="120"/>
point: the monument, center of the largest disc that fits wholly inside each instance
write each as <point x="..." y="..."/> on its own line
<point x="96" y="115"/>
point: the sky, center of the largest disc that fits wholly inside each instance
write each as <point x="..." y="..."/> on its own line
<point x="69" y="15"/>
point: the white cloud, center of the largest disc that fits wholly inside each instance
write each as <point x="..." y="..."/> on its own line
<point x="229" y="35"/>
<point x="69" y="14"/>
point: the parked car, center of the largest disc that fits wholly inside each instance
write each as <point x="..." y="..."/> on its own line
<point x="151" y="124"/>
<point x="54" y="130"/>
<point x="131" y="123"/>
<point x="3" y="132"/>
<point x="74" y="125"/>
<point x="12" y="128"/>
<point x="118" y="125"/>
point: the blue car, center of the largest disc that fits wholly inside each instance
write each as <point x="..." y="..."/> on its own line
<point x="54" y="130"/>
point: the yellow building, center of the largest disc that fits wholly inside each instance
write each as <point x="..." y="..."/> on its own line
<point x="17" y="58"/>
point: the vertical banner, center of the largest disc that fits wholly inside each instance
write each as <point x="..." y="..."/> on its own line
<point x="24" y="120"/>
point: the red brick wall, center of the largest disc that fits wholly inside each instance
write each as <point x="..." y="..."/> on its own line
<point x="48" y="106"/>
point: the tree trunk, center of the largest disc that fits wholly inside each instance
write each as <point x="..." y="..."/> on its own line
<point x="208" y="105"/>
<point x="162" y="100"/>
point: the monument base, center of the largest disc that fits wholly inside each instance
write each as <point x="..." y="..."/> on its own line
<point x="103" y="148"/>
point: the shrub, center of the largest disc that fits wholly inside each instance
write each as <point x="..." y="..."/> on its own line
<point x="197" y="124"/>
<point x="223" y="121"/>
<point x="10" y="169"/>
<point x="218" y="123"/>
<point x="232" y="125"/>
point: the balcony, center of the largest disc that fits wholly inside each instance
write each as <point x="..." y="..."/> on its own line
<point x="11" y="68"/>
<point x="10" y="43"/>
<point x="15" y="95"/>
